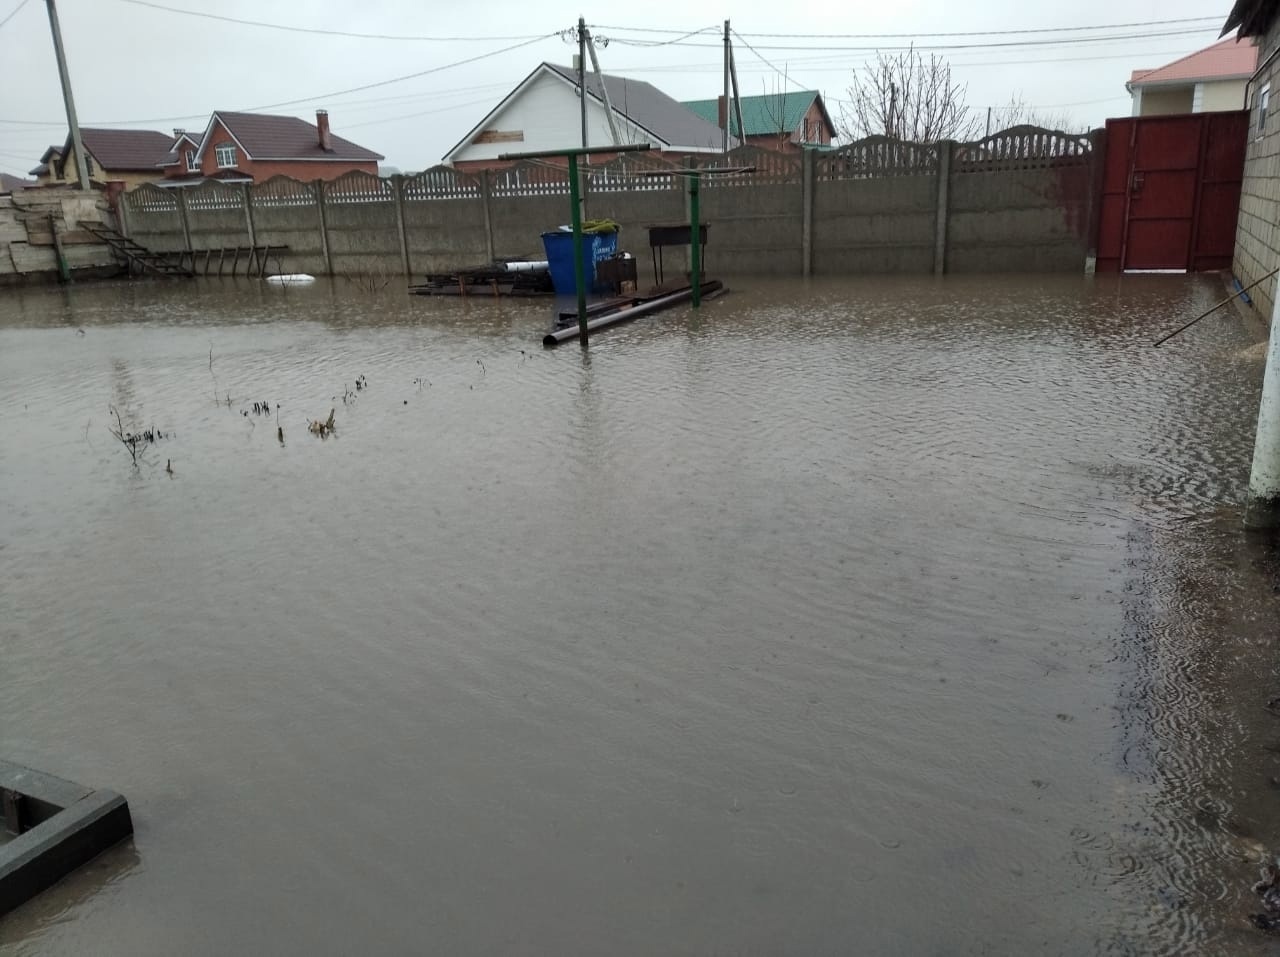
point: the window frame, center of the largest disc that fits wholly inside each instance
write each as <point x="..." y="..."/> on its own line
<point x="1262" y="101"/>
<point x="192" y="165"/>
<point x="218" y="153"/>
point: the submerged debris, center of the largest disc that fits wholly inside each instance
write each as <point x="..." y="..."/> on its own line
<point x="1268" y="888"/>
<point x="323" y="429"/>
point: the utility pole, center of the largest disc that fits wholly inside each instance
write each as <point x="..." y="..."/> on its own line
<point x="724" y="103"/>
<point x="582" y="75"/>
<point x="737" y="98"/>
<point x="77" y="144"/>
<point x="988" y="121"/>
<point x="604" y="91"/>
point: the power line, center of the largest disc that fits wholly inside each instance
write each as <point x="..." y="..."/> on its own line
<point x="965" y="33"/>
<point x="320" y="32"/>
<point x="409" y="116"/>
<point x="785" y="77"/>
<point x="14" y="12"/>
<point x="844" y="64"/>
<point x="1067" y="41"/>
<point x="305" y="99"/>
<point x="407" y="76"/>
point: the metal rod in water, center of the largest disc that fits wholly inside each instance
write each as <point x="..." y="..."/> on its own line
<point x="1215" y="308"/>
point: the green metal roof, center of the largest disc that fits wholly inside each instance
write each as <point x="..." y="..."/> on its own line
<point x="761" y="114"/>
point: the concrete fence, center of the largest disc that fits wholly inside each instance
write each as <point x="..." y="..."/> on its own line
<point x="1019" y="200"/>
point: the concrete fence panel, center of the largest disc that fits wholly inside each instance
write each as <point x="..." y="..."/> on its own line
<point x="363" y="237"/>
<point x="286" y="212"/>
<point x="444" y="221"/>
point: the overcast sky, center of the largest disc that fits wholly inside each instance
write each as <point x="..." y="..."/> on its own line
<point x="134" y="64"/>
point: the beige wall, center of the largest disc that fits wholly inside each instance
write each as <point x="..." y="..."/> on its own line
<point x="1158" y="101"/>
<point x="1257" y="239"/>
<point x="1223" y="95"/>
<point x="130" y="178"/>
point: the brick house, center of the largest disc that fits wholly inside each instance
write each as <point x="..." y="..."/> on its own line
<point x="782" y="122"/>
<point x="252" y="147"/>
<point x="127" y="157"/>
<point x="1257" y="249"/>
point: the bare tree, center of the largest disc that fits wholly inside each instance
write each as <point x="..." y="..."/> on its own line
<point x="775" y="108"/>
<point x="1017" y="112"/>
<point x="908" y="97"/>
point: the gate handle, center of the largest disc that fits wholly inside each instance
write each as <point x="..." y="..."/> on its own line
<point x="1136" y="181"/>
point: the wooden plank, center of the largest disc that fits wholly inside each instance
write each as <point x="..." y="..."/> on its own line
<point x="499" y="136"/>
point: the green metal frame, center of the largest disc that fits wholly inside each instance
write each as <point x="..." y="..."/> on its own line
<point x="579" y="280"/>
<point x="695" y="226"/>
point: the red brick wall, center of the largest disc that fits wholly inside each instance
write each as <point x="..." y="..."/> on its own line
<point x="305" y="170"/>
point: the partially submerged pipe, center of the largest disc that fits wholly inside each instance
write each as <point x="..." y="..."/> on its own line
<point x="558" y="336"/>
<point x="536" y="265"/>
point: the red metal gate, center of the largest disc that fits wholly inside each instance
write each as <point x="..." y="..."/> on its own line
<point x="1171" y="191"/>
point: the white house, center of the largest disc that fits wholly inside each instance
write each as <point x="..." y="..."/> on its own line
<point x="1207" y="81"/>
<point x="543" y="113"/>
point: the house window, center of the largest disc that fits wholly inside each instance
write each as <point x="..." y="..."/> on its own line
<point x="1264" y="95"/>
<point x="226" y="155"/>
<point x="192" y="165"/>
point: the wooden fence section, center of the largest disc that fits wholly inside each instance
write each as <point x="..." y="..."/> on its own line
<point x="1020" y="199"/>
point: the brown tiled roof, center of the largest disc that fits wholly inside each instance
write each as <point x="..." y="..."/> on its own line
<point x="1225" y="60"/>
<point x="287" y="137"/>
<point x="126" y="149"/>
<point x="11" y="184"/>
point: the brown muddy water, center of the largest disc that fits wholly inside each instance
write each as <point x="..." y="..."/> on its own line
<point x="883" y="617"/>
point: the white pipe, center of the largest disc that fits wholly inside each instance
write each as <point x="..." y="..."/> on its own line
<point x="1262" y="509"/>
<point x="540" y="265"/>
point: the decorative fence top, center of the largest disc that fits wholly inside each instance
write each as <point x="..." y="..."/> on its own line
<point x="625" y="173"/>
<point x="1021" y="147"/>
<point x="151" y="199"/>
<point x="877" y="157"/>
<point x="282" y="191"/>
<point x="772" y="168"/>
<point x="214" y="195"/>
<point x="440" y="182"/>
<point x="530" y="178"/>
<point x="359" y="187"/>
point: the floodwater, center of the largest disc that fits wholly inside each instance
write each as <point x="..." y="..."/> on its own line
<point x="880" y="617"/>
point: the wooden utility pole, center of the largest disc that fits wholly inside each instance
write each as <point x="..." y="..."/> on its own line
<point x="77" y="144"/>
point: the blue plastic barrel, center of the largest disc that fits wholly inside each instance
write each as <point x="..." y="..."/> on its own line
<point x="559" y="247"/>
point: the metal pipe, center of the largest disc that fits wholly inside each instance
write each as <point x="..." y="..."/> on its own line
<point x="632" y="312"/>
<point x="695" y="242"/>
<point x="1208" y="312"/>
<point x="579" y="281"/>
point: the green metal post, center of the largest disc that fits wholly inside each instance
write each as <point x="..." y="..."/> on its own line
<point x="579" y="280"/>
<point x="695" y="240"/>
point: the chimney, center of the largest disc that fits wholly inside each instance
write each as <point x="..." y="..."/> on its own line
<point x="177" y="133"/>
<point x="722" y="112"/>
<point x="322" y="126"/>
